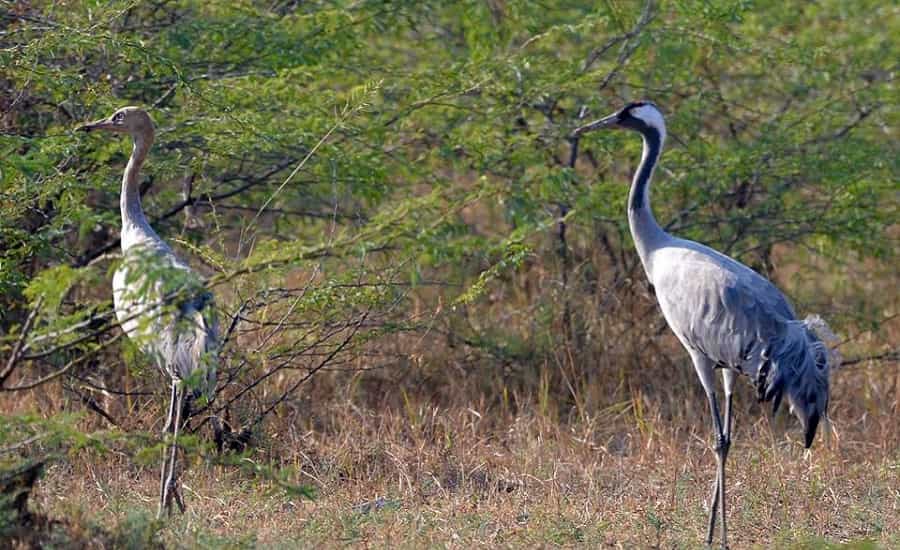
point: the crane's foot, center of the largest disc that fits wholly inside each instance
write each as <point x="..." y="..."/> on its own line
<point x="179" y="498"/>
<point x="171" y="491"/>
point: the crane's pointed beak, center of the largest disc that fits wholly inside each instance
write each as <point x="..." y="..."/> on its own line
<point x="102" y="124"/>
<point x="606" y="122"/>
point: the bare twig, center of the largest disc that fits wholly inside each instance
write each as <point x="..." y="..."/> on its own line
<point x="23" y="443"/>
<point x="235" y="320"/>
<point x="95" y="407"/>
<point x="19" y="347"/>
<point x="629" y="46"/>
<point x="886" y="357"/>
<point x="325" y="361"/>
<point x="62" y="370"/>
<point x="250" y="182"/>
<point x="563" y="249"/>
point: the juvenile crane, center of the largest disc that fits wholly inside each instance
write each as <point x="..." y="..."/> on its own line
<point x="160" y="303"/>
<point x="724" y="314"/>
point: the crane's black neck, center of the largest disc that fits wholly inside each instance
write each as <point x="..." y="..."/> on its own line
<point x="640" y="187"/>
<point x="646" y="232"/>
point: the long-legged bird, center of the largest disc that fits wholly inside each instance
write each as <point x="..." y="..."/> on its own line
<point x="724" y="314"/>
<point x="160" y="303"/>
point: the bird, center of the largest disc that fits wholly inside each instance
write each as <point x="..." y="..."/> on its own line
<point x="160" y="303"/>
<point x="724" y="314"/>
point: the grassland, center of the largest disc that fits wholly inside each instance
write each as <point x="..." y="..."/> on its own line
<point x="464" y="470"/>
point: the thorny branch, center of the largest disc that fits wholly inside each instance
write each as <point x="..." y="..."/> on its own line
<point x="62" y="370"/>
<point x="563" y="249"/>
<point x="887" y="357"/>
<point x="325" y="361"/>
<point x="250" y="182"/>
<point x="19" y="347"/>
<point x="629" y="46"/>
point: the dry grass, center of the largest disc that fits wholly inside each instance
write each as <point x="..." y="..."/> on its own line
<point x="626" y="476"/>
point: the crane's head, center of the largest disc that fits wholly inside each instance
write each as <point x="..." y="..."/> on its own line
<point x="640" y="116"/>
<point x="127" y="120"/>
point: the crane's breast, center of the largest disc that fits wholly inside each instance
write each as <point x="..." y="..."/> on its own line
<point x="148" y="289"/>
<point x="131" y="306"/>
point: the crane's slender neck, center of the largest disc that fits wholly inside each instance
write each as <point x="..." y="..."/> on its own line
<point x="645" y="231"/>
<point x="134" y="224"/>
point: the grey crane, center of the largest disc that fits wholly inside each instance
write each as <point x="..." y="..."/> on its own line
<point x="724" y="314"/>
<point x="160" y="303"/>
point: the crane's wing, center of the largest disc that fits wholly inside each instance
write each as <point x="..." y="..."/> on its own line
<point x="192" y="342"/>
<point x="720" y="308"/>
<point x="165" y="308"/>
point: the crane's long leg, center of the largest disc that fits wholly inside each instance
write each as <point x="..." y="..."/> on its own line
<point x="728" y="378"/>
<point x="170" y="474"/>
<point x="706" y="372"/>
<point x="719" y="489"/>
<point x="184" y="415"/>
<point x="164" y="470"/>
<point x="170" y="416"/>
<point x="712" y="512"/>
<point x="724" y="444"/>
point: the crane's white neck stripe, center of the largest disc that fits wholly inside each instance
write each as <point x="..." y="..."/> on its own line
<point x="651" y="116"/>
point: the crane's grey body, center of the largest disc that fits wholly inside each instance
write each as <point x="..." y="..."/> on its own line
<point x="160" y="303"/>
<point x="718" y="307"/>
<point x="724" y="314"/>
<point x="178" y="337"/>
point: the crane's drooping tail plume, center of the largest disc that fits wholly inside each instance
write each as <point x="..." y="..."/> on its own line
<point x="798" y="364"/>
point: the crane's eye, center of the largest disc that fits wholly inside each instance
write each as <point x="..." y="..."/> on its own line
<point x="118" y="117"/>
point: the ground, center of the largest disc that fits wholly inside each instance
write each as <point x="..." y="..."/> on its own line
<point x="427" y="476"/>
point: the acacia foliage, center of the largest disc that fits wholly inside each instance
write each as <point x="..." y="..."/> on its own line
<point x="331" y="166"/>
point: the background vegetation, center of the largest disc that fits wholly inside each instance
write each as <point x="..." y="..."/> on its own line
<point x="435" y="317"/>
